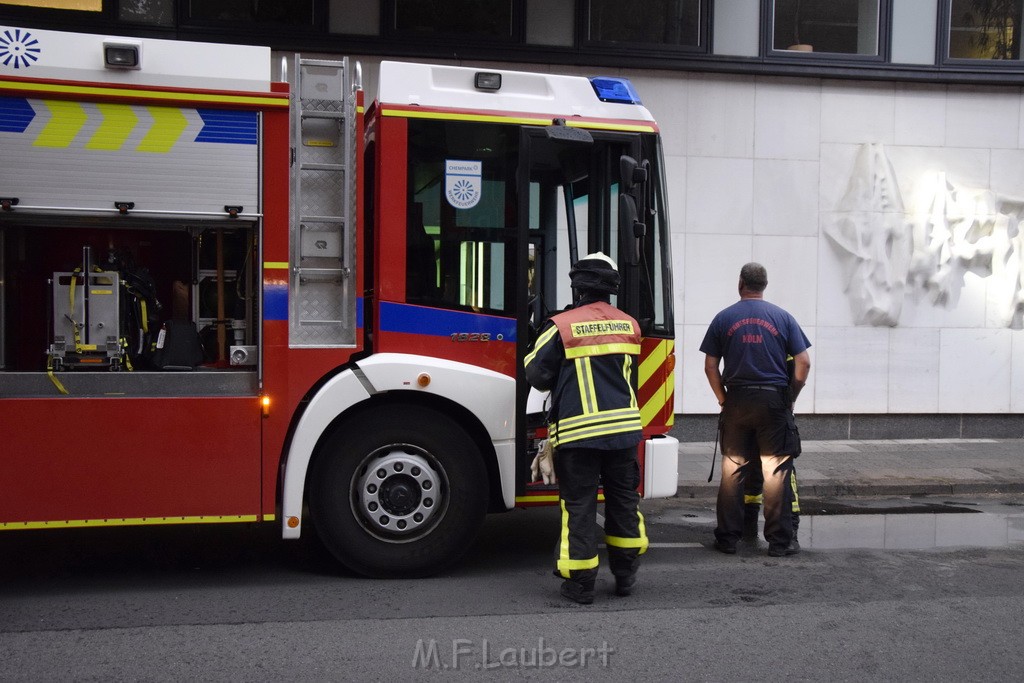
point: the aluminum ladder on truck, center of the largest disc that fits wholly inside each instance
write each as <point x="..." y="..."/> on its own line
<point x="322" y="294"/>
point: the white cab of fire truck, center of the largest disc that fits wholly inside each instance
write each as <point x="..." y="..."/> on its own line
<point x="412" y="465"/>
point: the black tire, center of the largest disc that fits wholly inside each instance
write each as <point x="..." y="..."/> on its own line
<point x="398" y="492"/>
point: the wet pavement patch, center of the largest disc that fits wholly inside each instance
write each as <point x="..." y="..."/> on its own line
<point x="898" y="525"/>
<point x="827" y="507"/>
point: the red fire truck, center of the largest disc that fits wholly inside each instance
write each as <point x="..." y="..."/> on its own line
<point x="232" y="291"/>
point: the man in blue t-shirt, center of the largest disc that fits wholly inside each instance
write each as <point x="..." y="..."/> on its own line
<point x="756" y="394"/>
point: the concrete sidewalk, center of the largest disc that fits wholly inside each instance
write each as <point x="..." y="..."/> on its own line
<point x="899" y="467"/>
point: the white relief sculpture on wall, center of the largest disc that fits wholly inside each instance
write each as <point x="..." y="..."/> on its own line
<point x="1008" y="262"/>
<point x="873" y="239"/>
<point x="952" y="230"/>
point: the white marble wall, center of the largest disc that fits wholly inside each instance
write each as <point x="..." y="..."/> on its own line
<point x="758" y="167"/>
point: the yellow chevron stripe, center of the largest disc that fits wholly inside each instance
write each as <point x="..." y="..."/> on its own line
<point x="127" y="93"/>
<point x="118" y="123"/>
<point x="652" y="362"/>
<point x="650" y="410"/>
<point x="132" y="521"/>
<point x="529" y="121"/>
<point x="648" y="368"/>
<point x="66" y="119"/>
<point x="168" y="125"/>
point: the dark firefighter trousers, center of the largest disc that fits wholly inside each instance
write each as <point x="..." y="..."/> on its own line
<point x="753" y="496"/>
<point x="580" y="471"/>
<point x="754" y="421"/>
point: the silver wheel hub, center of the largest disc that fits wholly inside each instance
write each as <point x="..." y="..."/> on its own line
<point x="400" y="491"/>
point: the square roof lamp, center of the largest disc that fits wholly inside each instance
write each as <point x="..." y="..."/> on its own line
<point x="122" y="55"/>
<point x="487" y="80"/>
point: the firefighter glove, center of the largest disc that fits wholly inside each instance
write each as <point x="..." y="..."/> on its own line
<point x="543" y="466"/>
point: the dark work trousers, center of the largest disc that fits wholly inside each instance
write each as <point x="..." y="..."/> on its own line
<point x="755" y="416"/>
<point x="753" y="496"/>
<point x="580" y="471"/>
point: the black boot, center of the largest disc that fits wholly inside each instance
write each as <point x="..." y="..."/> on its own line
<point x="624" y="585"/>
<point x="794" y="545"/>
<point x="583" y="593"/>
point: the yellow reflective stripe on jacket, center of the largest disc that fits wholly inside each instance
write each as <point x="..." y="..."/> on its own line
<point x="602" y="350"/>
<point x="585" y="380"/>
<point x="599" y="416"/>
<point x="562" y="436"/>
<point x="543" y="339"/>
<point x="627" y="371"/>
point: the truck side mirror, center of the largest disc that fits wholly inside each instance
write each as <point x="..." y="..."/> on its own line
<point x="631" y="173"/>
<point x="632" y="230"/>
<point x="627" y="166"/>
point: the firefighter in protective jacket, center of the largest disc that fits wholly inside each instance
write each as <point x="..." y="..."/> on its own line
<point x="585" y="357"/>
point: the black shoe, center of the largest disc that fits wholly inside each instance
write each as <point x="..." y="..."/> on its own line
<point x="624" y="585"/>
<point x="792" y="549"/>
<point x="723" y="547"/>
<point x="577" y="592"/>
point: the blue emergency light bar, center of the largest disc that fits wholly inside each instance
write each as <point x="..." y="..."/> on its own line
<point x="618" y="90"/>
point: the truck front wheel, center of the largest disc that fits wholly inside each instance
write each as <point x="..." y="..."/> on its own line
<point x="398" y="492"/>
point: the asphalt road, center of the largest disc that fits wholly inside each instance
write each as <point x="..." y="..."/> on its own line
<point x="234" y="603"/>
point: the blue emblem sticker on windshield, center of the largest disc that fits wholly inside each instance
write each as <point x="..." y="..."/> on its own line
<point x="463" y="182"/>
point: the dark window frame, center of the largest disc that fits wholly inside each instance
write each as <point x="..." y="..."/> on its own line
<point x="586" y="45"/>
<point x="770" y="54"/>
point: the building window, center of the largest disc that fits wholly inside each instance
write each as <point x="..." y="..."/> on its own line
<point x="354" y="17"/>
<point x="985" y="29"/>
<point x="668" y="23"/>
<point x="288" y="12"/>
<point x="481" y="19"/>
<point x="847" y="27"/>
<point x="155" y="12"/>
